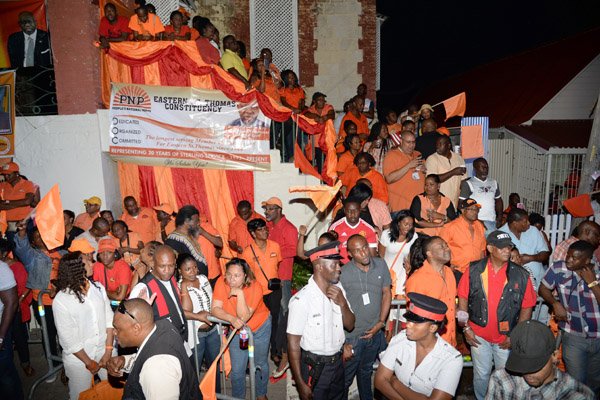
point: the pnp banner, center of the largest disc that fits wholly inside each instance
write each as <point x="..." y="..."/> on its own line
<point x="185" y="127"/>
<point x="10" y="10"/>
<point x="7" y="113"/>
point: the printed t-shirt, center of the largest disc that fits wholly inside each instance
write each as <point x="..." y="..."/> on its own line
<point x="119" y="274"/>
<point x="402" y="192"/>
<point x="254" y="300"/>
<point x="269" y="260"/>
<point x="17" y="192"/>
<point x="345" y="231"/>
<point x="496" y="283"/>
<point x="428" y="281"/>
<point x="107" y="30"/>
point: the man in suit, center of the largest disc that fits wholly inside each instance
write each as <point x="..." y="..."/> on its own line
<point x="20" y="49"/>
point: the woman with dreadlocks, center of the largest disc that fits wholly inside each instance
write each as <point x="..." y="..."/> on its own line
<point x="84" y="322"/>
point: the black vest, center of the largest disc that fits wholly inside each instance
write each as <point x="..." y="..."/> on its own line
<point x="164" y="307"/>
<point x="510" y="302"/>
<point x="164" y="340"/>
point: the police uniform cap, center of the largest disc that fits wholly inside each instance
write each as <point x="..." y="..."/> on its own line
<point x="423" y="308"/>
<point x="328" y="251"/>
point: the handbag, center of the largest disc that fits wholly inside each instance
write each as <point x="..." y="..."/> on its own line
<point x="272" y="284"/>
<point x="101" y="391"/>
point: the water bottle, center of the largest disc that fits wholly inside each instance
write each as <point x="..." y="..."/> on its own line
<point x="243" y="339"/>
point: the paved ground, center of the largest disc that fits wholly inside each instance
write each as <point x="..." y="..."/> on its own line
<point x="277" y="391"/>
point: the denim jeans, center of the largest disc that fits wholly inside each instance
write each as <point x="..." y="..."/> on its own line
<point x="582" y="359"/>
<point x="486" y="355"/>
<point x="207" y="349"/>
<point x="239" y="362"/>
<point x="286" y="295"/>
<point x="361" y="364"/>
<point x="490" y="226"/>
<point x="10" y="383"/>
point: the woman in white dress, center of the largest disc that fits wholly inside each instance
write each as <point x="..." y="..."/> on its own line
<point x="84" y="323"/>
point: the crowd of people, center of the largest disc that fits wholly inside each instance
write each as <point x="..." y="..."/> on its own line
<point x="414" y="243"/>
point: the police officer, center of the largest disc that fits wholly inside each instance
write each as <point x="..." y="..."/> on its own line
<point x="418" y="360"/>
<point x="318" y="315"/>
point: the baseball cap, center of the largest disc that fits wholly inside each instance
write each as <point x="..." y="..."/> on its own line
<point x="106" y="245"/>
<point x="165" y="207"/>
<point x="532" y="344"/>
<point x="9" y="168"/>
<point x="81" y="245"/>
<point x="329" y="251"/>
<point x="273" y="201"/>
<point x="470" y="202"/>
<point x="93" y="200"/>
<point x="426" y="107"/>
<point x="499" y="239"/>
<point x="423" y="308"/>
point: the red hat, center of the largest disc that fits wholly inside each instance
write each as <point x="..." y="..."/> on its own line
<point x="9" y="168"/>
<point x="106" y="245"/>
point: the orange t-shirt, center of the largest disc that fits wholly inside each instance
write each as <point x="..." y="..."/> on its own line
<point x="362" y="128"/>
<point x="254" y="299"/>
<point x="345" y="162"/>
<point x="134" y="238"/>
<point x="182" y="32"/>
<point x="271" y="89"/>
<point x="145" y="224"/>
<point x="209" y="250"/>
<point x="269" y="260"/>
<point x="238" y="231"/>
<point x="17" y="192"/>
<point x="402" y="192"/>
<point x="380" y="189"/>
<point x="152" y="26"/>
<point x="425" y="205"/>
<point x="292" y="95"/>
<point x="465" y="249"/>
<point x="84" y="221"/>
<point x="46" y="299"/>
<point x="119" y="274"/>
<point x="427" y="281"/>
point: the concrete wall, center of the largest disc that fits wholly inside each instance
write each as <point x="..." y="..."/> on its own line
<point x="577" y="99"/>
<point x="229" y="16"/>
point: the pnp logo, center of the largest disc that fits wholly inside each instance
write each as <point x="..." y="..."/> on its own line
<point x="132" y="97"/>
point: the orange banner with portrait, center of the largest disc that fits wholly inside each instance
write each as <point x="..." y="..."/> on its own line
<point x="7" y="113"/>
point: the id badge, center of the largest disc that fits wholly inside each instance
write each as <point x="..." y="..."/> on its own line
<point x="366" y="300"/>
<point x="415" y="176"/>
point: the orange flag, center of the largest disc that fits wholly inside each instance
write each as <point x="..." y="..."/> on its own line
<point x="471" y="140"/>
<point x="579" y="206"/>
<point x="321" y="195"/>
<point x="49" y="219"/>
<point x="455" y="105"/>
<point x="302" y="163"/>
<point x="208" y="386"/>
<point x="3" y="222"/>
<point x="331" y="157"/>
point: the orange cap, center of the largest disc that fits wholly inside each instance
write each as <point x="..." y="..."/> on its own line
<point x="273" y="201"/>
<point x="165" y="207"/>
<point x="106" y="245"/>
<point x="9" y="168"/>
<point x="81" y="245"/>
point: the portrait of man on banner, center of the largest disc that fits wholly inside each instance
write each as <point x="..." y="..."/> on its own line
<point x="249" y="116"/>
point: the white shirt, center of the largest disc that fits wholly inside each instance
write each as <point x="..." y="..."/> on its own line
<point x="317" y="319"/>
<point x="485" y="193"/>
<point x="82" y="325"/>
<point x="160" y="375"/>
<point x="440" y="369"/>
<point x="201" y="301"/>
<point x="438" y="164"/>
<point x="7" y="281"/>
<point x="33" y="36"/>
<point x="391" y="251"/>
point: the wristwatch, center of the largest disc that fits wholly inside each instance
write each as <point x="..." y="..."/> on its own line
<point x="592" y="284"/>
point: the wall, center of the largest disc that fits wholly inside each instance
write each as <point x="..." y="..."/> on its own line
<point x="65" y="149"/>
<point x="73" y="27"/>
<point x="229" y="16"/>
<point x="577" y="99"/>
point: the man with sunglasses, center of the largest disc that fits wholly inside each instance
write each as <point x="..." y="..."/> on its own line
<point x="161" y="368"/>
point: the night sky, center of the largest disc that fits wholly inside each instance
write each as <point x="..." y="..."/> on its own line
<point x="424" y="41"/>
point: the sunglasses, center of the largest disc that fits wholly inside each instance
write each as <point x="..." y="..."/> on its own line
<point x="123" y="310"/>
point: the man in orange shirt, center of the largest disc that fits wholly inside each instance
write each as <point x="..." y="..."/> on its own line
<point x="239" y="237"/>
<point x="145" y="26"/>
<point x="18" y="196"/>
<point x="166" y="222"/>
<point x="404" y="173"/>
<point x="465" y="236"/>
<point x="264" y="256"/>
<point x="211" y="245"/>
<point x="92" y="211"/>
<point x="140" y="220"/>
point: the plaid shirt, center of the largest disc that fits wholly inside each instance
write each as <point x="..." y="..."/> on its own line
<point x="504" y="386"/>
<point x="577" y="298"/>
<point x="560" y="252"/>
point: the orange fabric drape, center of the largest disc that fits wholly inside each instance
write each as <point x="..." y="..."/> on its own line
<point x="129" y="180"/>
<point x="164" y="186"/>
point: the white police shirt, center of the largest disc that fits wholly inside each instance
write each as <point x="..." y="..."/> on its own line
<point x="440" y="369"/>
<point x="317" y="319"/>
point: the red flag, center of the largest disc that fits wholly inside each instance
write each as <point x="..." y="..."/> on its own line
<point x="49" y="219"/>
<point x="455" y="105"/>
<point x="579" y="206"/>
